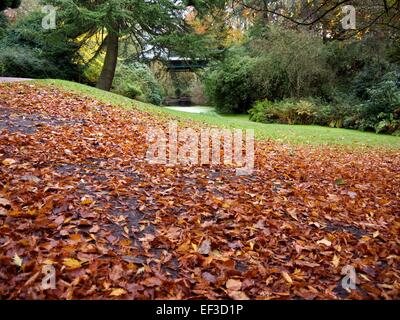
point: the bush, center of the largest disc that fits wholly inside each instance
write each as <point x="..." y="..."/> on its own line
<point x="275" y="64"/>
<point x="388" y="124"/>
<point x="25" y="62"/>
<point x="383" y="97"/>
<point x="287" y="111"/>
<point x="381" y="111"/>
<point x="3" y="24"/>
<point x="229" y="85"/>
<point x="303" y="112"/>
<point x="136" y="81"/>
<point x="290" y="64"/>
<point x="369" y="76"/>
<point x="27" y="50"/>
<point x="258" y="112"/>
<point x="331" y="115"/>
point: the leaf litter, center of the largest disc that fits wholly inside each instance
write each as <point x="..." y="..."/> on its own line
<point x="76" y="193"/>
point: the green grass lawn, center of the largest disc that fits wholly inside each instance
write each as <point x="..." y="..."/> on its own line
<point x="311" y="135"/>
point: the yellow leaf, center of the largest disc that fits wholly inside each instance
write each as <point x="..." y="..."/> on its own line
<point x="226" y="205"/>
<point x="9" y="162"/>
<point x="106" y="285"/>
<point x="335" y="261"/>
<point x="251" y="244"/>
<point x="117" y="292"/>
<point x="325" y="242"/>
<point x="140" y="271"/>
<point x="287" y="278"/>
<point x="32" y="212"/>
<point x="376" y="234"/>
<point x="17" y="260"/>
<point x="75" y="237"/>
<point x="71" y="263"/>
<point x="86" y="200"/>
<point x="184" y="247"/>
<point x="14" y="213"/>
<point x="364" y="277"/>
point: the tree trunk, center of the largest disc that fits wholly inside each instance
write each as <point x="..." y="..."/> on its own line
<point x="110" y="63"/>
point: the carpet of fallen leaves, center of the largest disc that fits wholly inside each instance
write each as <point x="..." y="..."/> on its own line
<point x="76" y="193"/>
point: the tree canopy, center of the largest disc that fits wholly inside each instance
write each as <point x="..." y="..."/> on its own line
<point x="11" y="4"/>
<point x="152" y="26"/>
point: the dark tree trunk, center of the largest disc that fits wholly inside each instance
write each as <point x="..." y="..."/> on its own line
<point x="110" y="63"/>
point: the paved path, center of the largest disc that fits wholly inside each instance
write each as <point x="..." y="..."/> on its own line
<point x="8" y="79"/>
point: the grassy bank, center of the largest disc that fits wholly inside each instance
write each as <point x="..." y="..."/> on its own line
<point x="312" y="135"/>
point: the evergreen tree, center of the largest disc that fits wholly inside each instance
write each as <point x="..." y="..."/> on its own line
<point x="12" y="4"/>
<point x="150" y="24"/>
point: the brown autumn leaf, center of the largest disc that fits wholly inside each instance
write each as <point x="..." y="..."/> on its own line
<point x="205" y="247"/>
<point x="118" y="292"/>
<point x="151" y="282"/>
<point x="293" y="213"/>
<point x="287" y="277"/>
<point x="5" y="203"/>
<point x="94" y="229"/>
<point x="238" y="295"/>
<point x="9" y="162"/>
<point x="234" y="285"/>
<point x="116" y="272"/>
<point x="209" y="277"/>
<point x="325" y="242"/>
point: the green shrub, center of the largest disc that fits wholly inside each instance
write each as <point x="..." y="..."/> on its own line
<point x="387" y="123"/>
<point x="3" y="24"/>
<point x="304" y="112"/>
<point x="136" y="81"/>
<point x="27" y="50"/>
<point x="379" y="112"/>
<point x="372" y="73"/>
<point x="258" y="112"/>
<point x="229" y="85"/>
<point x="287" y="111"/>
<point x="333" y="115"/>
<point x="290" y="64"/>
<point x="132" y="90"/>
<point x="25" y="62"/>
<point x="383" y="97"/>
<point x="274" y="64"/>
